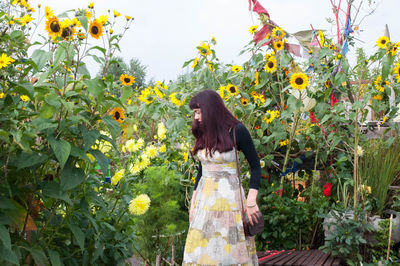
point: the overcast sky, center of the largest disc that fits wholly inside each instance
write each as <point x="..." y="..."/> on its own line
<point x="165" y="34"/>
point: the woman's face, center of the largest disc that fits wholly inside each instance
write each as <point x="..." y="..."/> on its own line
<point x="197" y="114"/>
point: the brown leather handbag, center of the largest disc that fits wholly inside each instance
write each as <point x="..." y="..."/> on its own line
<point x="257" y="227"/>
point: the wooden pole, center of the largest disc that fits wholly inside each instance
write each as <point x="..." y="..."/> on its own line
<point x="390" y="236"/>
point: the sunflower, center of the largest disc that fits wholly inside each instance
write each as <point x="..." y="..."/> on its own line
<point x="91" y="5"/>
<point x="278" y="46"/>
<point x="127" y="80"/>
<point x="204" y="49"/>
<point x="88" y="14"/>
<point x="393" y="48"/>
<point x="236" y="68"/>
<point x="128" y="17"/>
<point x="269" y="116"/>
<point x="232" y="89"/>
<point x="25" y="20"/>
<point x="67" y="31"/>
<point x="299" y="81"/>
<point x="328" y="84"/>
<point x="244" y="101"/>
<point x="382" y="42"/>
<point x="396" y="71"/>
<point x="270" y="66"/>
<point x="53" y="27"/>
<point x="253" y="29"/>
<point x="195" y="62"/>
<point x="117" y="14"/>
<point x="96" y="29"/>
<point x="379" y="84"/>
<point x="103" y="19"/>
<point x="24" y="98"/>
<point x="321" y="38"/>
<point x="117" y="114"/>
<point x="278" y="33"/>
<point x="269" y="55"/>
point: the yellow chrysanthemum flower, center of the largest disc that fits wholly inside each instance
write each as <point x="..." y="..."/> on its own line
<point x="127" y="80"/>
<point x="96" y="29"/>
<point x="396" y="72"/>
<point x="253" y="29"/>
<point x="2" y="95"/>
<point x="139" y="205"/>
<point x="270" y="66"/>
<point x="24" y="98"/>
<point x="236" y="68"/>
<point x="151" y="152"/>
<point x="118" y="114"/>
<point x="53" y="27"/>
<point x="5" y="60"/>
<point x="298" y="81"/>
<point x="278" y="33"/>
<point x="377" y="97"/>
<point x="117" y="177"/>
<point x="163" y="148"/>
<point x="232" y="89"/>
<point x="131" y="146"/>
<point x="382" y="42"/>
<point x="161" y="130"/>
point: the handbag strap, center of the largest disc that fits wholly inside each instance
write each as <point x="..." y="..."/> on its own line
<point x="238" y="174"/>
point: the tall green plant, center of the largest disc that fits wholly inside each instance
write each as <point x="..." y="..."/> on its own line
<point x="378" y="168"/>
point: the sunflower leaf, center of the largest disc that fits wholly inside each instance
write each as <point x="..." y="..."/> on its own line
<point x="386" y="64"/>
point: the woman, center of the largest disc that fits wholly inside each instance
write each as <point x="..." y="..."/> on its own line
<point x="216" y="235"/>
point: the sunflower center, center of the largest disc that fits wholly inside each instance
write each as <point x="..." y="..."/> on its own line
<point x="299" y="81"/>
<point x="94" y="30"/>
<point x="232" y="89"/>
<point x="66" y="32"/>
<point x="383" y="41"/>
<point x="278" y="45"/>
<point x="127" y="80"/>
<point x="117" y="115"/>
<point x="270" y="64"/>
<point x="55" y="27"/>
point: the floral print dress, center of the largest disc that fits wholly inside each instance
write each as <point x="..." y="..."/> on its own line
<point x="216" y="235"/>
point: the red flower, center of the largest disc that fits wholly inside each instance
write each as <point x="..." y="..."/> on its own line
<point x="327" y="189"/>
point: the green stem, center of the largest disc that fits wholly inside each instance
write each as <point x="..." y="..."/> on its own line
<point x="292" y="132"/>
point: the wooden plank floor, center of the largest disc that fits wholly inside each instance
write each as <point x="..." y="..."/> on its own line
<point x="300" y="258"/>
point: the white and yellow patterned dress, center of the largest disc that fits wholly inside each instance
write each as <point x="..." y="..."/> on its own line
<point x="216" y="235"/>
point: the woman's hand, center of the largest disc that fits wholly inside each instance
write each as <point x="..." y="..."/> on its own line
<point x="251" y="211"/>
<point x="251" y="206"/>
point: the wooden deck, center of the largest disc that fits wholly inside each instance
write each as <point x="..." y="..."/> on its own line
<point x="293" y="257"/>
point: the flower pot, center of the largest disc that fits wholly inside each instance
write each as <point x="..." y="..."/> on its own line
<point x="374" y="220"/>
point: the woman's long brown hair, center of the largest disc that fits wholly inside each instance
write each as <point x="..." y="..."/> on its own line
<point x="216" y="121"/>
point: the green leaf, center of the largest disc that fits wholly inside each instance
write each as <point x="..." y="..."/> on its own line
<point x="95" y="87"/>
<point x="84" y="22"/>
<point x="25" y="159"/>
<point x="386" y="65"/>
<point x="39" y="256"/>
<point x="113" y="126"/>
<point x="54" y="257"/>
<point x="187" y="63"/>
<point x="285" y="59"/>
<point x="61" y="150"/>
<point x="40" y="58"/>
<point x="5" y="237"/>
<point x="78" y="234"/>
<point x="71" y="177"/>
<point x="339" y="79"/>
<point x="52" y="190"/>
<point x="59" y="55"/>
<point x="8" y="255"/>
<point x="47" y="111"/>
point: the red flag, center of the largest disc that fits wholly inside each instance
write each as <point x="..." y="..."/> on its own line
<point x="258" y="7"/>
<point x="260" y="35"/>
<point x="293" y="48"/>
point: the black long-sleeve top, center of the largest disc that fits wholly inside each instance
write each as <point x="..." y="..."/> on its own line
<point x="245" y="144"/>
